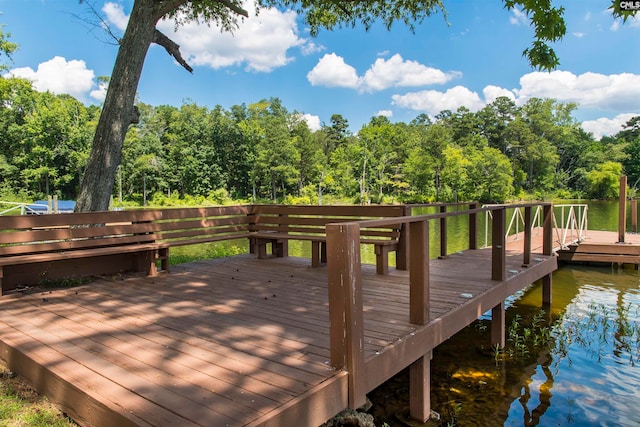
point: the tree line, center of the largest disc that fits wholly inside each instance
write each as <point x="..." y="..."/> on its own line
<point x="263" y="151"/>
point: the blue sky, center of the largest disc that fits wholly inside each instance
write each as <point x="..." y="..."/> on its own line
<point x="467" y="60"/>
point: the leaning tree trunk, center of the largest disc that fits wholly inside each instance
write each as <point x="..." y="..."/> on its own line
<point x="118" y="111"/>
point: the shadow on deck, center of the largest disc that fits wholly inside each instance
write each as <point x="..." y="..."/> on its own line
<point x="245" y="341"/>
<point x="234" y="341"/>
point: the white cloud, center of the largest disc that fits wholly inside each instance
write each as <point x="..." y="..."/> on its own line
<point x="332" y="71"/>
<point x="615" y="92"/>
<point x="309" y="48"/>
<point x="518" y="17"/>
<point x="396" y="72"/>
<point x="492" y="92"/>
<point x="385" y="113"/>
<point x="115" y="15"/>
<point x="58" y="76"/>
<point x="604" y="126"/>
<point x="261" y="42"/>
<point x="312" y="121"/>
<point x="433" y="101"/>
<point x="615" y="26"/>
<point x="100" y="93"/>
<point x="578" y="35"/>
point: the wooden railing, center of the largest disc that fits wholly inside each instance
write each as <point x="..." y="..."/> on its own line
<point x="571" y="227"/>
<point x="345" y="277"/>
<point x="443" y="208"/>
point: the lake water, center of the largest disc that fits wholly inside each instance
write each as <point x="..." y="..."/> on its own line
<point x="575" y="363"/>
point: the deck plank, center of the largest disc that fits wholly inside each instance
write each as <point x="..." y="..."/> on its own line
<point x="232" y="341"/>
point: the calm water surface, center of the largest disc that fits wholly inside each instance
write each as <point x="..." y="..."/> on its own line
<point x="584" y="371"/>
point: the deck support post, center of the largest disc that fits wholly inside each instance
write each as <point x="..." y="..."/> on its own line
<point x="419" y="273"/>
<point x="498" y="245"/>
<point x="526" y="260"/>
<point x="473" y="227"/>
<point x="420" y="370"/>
<point x="622" y="210"/>
<point x="443" y="232"/>
<point x="498" y="336"/>
<point x="345" y="307"/>
<point x="402" y="253"/>
<point x="634" y="215"/>
<point x="420" y="388"/>
<point x="547" y="286"/>
<point x="547" y="250"/>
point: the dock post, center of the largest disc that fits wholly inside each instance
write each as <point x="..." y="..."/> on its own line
<point x="622" y="210"/>
<point x="527" y="237"/>
<point x="498" y="243"/>
<point x="346" y="319"/>
<point x="473" y="227"/>
<point x="402" y="253"/>
<point x="547" y="250"/>
<point x="634" y="215"/>
<point x="419" y="273"/>
<point x="498" y="336"/>
<point x="420" y="388"/>
<point x="443" y="232"/>
<point x="420" y="370"/>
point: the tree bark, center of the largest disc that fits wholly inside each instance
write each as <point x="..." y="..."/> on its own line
<point x="118" y="111"/>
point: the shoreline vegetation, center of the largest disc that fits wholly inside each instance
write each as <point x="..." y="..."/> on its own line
<point x="262" y="151"/>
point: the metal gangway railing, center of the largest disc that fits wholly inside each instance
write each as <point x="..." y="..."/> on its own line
<point x="572" y="228"/>
<point x="22" y="208"/>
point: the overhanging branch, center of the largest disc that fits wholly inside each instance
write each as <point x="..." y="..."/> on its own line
<point x="172" y="48"/>
<point x="238" y="10"/>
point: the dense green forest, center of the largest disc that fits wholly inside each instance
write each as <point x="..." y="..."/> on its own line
<point x="262" y="151"/>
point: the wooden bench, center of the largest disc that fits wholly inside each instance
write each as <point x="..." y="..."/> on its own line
<point x="275" y="225"/>
<point x="192" y="226"/>
<point x="40" y="248"/>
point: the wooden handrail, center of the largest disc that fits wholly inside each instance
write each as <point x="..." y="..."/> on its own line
<point x="345" y="277"/>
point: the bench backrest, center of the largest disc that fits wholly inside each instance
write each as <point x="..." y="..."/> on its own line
<point x="31" y="234"/>
<point x="311" y="220"/>
<point x="186" y="226"/>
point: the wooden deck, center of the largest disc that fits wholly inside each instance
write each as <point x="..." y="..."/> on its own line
<point x="236" y="341"/>
<point x="603" y="247"/>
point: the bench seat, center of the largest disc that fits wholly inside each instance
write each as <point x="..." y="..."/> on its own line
<point x="276" y="225"/>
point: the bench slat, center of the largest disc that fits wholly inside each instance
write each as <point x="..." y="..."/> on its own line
<point x="85" y="253"/>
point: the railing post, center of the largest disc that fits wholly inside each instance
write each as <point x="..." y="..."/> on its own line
<point x="634" y="215"/>
<point x="527" y="236"/>
<point x="345" y="307"/>
<point x="498" y="243"/>
<point x="473" y="227"/>
<point x="547" y="249"/>
<point x="622" y="210"/>
<point x="419" y="273"/>
<point x="443" y="232"/>
<point x="402" y="253"/>
<point x="420" y="370"/>
<point x="547" y="233"/>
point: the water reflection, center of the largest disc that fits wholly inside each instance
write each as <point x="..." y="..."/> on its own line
<point x="587" y="375"/>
